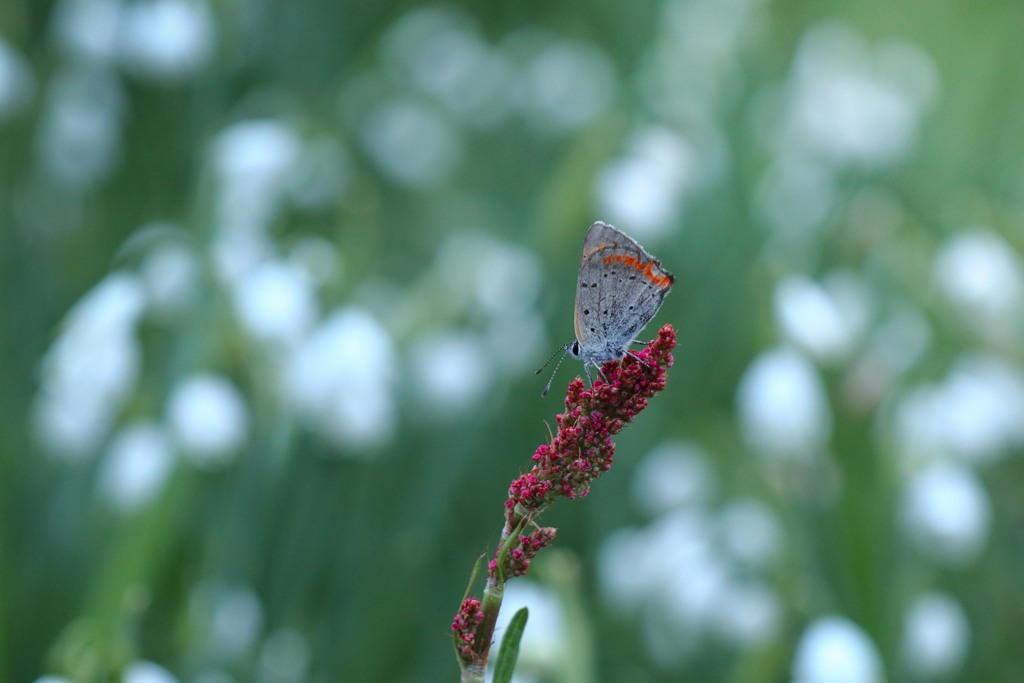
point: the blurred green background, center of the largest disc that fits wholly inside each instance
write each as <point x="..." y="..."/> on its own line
<point x="275" y="277"/>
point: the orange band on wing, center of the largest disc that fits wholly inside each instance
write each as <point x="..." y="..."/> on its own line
<point x="600" y="247"/>
<point x="646" y="268"/>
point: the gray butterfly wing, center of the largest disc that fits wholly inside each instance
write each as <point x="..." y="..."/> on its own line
<point x="590" y="324"/>
<point x="620" y="288"/>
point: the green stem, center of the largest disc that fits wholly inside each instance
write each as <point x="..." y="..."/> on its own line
<point x="490" y="605"/>
<point x="494" y="592"/>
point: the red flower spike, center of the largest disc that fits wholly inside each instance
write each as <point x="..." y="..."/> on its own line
<point x="591" y="417"/>
<point x="518" y="561"/>
<point x="580" y="452"/>
<point x="467" y="620"/>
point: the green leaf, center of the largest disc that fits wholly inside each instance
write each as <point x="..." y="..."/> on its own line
<point x="505" y="665"/>
<point x="472" y="577"/>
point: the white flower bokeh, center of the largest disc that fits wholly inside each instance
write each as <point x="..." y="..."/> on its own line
<point x="253" y="161"/>
<point x="136" y="466"/>
<point x="852" y="104"/>
<point x="835" y="650"/>
<point x="166" y="40"/>
<point x="143" y="671"/>
<point x="411" y="143"/>
<point x="566" y="85"/>
<point x="645" y="187"/>
<point x="92" y="367"/>
<point x="947" y="513"/>
<point x="88" y="28"/>
<point x="673" y="475"/>
<point x="688" y="578"/>
<point x="812" y="318"/>
<point x="171" y="274"/>
<point x="208" y="419"/>
<point x="982" y="278"/>
<point x="275" y="302"/>
<point x="782" y="407"/>
<point x="936" y="636"/>
<point x="973" y="415"/>
<point x="79" y="138"/>
<point x="340" y="380"/>
<point x="17" y="82"/>
<point x="443" y="53"/>
<point x="284" y="656"/>
<point x="451" y="372"/>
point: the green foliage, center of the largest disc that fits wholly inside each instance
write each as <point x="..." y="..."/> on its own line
<point x="273" y="285"/>
<point x="505" y="664"/>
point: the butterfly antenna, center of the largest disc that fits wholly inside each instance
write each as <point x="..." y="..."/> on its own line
<point x="551" y="358"/>
<point x="551" y="379"/>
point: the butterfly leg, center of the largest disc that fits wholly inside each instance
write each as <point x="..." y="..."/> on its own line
<point x="638" y="358"/>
